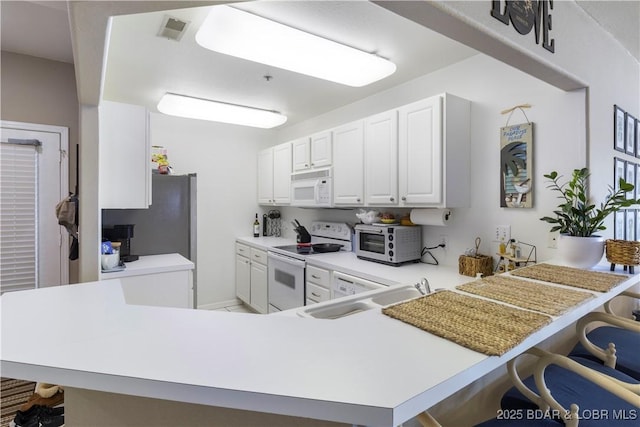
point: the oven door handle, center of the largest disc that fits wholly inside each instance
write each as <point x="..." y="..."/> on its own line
<point x="285" y="259"/>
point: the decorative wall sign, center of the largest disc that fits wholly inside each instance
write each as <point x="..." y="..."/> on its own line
<point x="516" y="174"/>
<point x="526" y="15"/>
<point x="618" y="128"/>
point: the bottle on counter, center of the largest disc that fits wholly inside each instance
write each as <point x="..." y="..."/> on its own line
<point x="256" y="227"/>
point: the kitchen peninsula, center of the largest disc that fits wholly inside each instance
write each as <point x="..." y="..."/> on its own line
<point x="365" y="369"/>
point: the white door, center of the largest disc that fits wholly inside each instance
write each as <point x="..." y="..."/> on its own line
<point x="52" y="247"/>
<point x="420" y="152"/>
<point x="381" y="159"/>
<point x="348" y="165"/>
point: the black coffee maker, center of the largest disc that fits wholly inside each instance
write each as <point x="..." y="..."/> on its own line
<point x="121" y="233"/>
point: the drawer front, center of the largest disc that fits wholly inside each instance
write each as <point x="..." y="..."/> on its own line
<point x="319" y="276"/>
<point x="317" y="293"/>
<point x="258" y="255"/>
<point x="243" y="250"/>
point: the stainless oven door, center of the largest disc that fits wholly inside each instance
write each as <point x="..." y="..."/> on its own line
<point x="286" y="282"/>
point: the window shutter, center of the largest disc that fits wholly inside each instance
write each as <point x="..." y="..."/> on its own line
<point x="18" y="216"/>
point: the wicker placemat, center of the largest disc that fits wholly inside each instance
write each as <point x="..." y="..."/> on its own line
<point x="526" y="294"/>
<point x="584" y="279"/>
<point x="484" y="326"/>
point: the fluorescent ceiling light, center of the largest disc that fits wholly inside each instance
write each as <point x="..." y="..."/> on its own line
<point x="244" y="35"/>
<point x="204" y="109"/>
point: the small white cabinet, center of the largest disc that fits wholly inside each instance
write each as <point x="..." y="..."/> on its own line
<point x="381" y="159"/>
<point x="348" y="165"/>
<point x="125" y="156"/>
<point x="312" y="152"/>
<point x="274" y="175"/>
<point x="433" y="152"/>
<point x="170" y="289"/>
<point x="251" y="277"/>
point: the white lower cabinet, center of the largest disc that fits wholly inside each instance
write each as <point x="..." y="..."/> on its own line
<point x="318" y="285"/>
<point x="170" y="289"/>
<point x="251" y="277"/>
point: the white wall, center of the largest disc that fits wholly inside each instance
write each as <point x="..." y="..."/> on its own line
<point x="225" y="158"/>
<point x="491" y="86"/>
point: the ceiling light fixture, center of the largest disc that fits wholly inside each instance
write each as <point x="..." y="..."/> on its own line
<point x="204" y="109"/>
<point x="241" y="34"/>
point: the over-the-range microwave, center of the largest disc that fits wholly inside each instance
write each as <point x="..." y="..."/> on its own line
<point x="312" y="188"/>
<point x="389" y="244"/>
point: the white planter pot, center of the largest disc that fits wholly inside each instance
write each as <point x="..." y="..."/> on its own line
<point x="580" y="252"/>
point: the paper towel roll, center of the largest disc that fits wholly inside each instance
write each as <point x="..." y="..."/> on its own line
<point x="430" y="216"/>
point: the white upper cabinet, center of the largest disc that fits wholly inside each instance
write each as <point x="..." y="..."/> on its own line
<point x="125" y="156"/>
<point x="274" y="175"/>
<point x="312" y="152"/>
<point x="321" y="150"/>
<point x="433" y="152"/>
<point x="265" y="176"/>
<point x="348" y="164"/>
<point x="381" y="159"/>
<point x="301" y="154"/>
<point x="282" y="174"/>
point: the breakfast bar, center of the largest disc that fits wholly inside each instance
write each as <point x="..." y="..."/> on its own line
<point x="365" y="369"/>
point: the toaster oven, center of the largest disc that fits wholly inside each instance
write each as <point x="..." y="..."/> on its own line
<point x="388" y="244"/>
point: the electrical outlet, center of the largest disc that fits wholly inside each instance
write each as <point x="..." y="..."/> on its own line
<point x="552" y="239"/>
<point x="444" y="240"/>
<point x="503" y="233"/>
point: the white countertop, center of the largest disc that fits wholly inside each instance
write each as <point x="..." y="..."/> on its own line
<point x="151" y="264"/>
<point x="365" y="369"/>
<point x="439" y="276"/>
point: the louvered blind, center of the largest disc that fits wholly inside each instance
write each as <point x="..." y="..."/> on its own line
<point x="18" y="216"/>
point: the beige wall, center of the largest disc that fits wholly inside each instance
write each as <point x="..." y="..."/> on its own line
<point x="36" y="90"/>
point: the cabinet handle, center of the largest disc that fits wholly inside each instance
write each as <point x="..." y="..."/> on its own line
<point x="404" y="198"/>
<point x="391" y="199"/>
<point x="358" y="200"/>
<point x="315" y="295"/>
<point x="246" y="262"/>
<point x="315" y="277"/>
<point x="306" y="165"/>
<point x="256" y="256"/>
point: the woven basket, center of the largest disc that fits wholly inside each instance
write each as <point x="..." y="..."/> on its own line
<point x="472" y="265"/>
<point x="623" y="252"/>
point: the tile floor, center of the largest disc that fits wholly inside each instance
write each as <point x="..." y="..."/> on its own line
<point x="240" y="308"/>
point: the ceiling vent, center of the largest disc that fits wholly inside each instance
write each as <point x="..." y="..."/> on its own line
<point x="172" y="28"/>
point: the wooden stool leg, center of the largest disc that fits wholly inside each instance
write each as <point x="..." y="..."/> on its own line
<point x="613" y="267"/>
<point x="631" y="269"/>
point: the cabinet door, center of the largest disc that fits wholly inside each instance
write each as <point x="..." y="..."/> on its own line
<point x="381" y="159"/>
<point x="282" y="173"/>
<point x="243" y="279"/>
<point x="170" y="289"/>
<point x="321" y="148"/>
<point x="265" y="176"/>
<point x="125" y="156"/>
<point x="348" y="165"/>
<point x="259" y="287"/>
<point x="420" y="152"/>
<point x="301" y="154"/>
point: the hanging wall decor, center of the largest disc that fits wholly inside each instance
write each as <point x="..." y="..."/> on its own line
<point x="516" y="158"/>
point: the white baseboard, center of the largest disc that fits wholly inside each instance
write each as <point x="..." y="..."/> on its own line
<point x="219" y="305"/>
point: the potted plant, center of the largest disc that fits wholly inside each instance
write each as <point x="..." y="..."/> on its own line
<point x="578" y="219"/>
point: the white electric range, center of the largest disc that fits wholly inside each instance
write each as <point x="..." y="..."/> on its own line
<point x="286" y="278"/>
